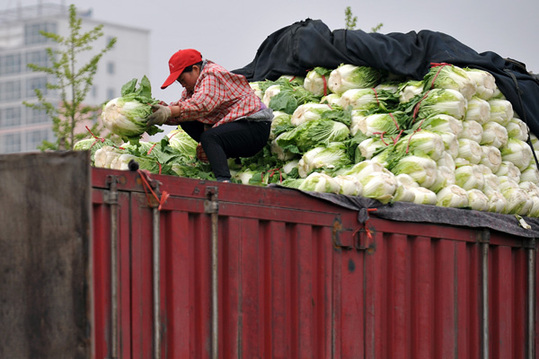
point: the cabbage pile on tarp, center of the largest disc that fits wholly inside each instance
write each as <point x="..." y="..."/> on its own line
<point x="449" y="140"/>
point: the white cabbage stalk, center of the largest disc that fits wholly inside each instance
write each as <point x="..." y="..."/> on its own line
<point x="530" y="187"/>
<point x="535" y="141"/>
<point x="451" y="143"/>
<point x="501" y="111"/>
<point x="270" y="92"/>
<point x="492" y="183"/>
<point x="470" y="150"/>
<point x="451" y="77"/>
<point x="530" y="174"/>
<point x="518" y="200"/>
<point x="423" y="143"/>
<point x="316" y="83"/>
<point x="516" y="128"/>
<point x="447" y="160"/>
<point x="347" y="76"/>
<point x="478" y="110"/>
<point x="308" y="112"/>
<point x="424" y="196"/>
<point x="290" y="166"/>
<point x="368" y="147"/>
<point x="359" y="99"/>
<point x="393" y="88"/>
<point x="452" y="196"/>
<point x="496" y="202"/>
<point x="517" y="152"/>
<point x="404" y="194"/>
<point x="443" y="101"/>
<point x="121" y="162"/>
<point x="372" y="124"/>
<point x="255" y="85"/>
<point x="126" y="117"/>
<point x="365" y="168"/>
<point x="278" y="150"/>
<point x="494" y="134"/>
<point x="331" y="157"/>
<point x="485" y="83"/>
<point x="441" y="123"/>
<point x="280" y="118"/>
<point x="320" y="182"/>
<point x="473" y="130"/>
<point x="304" y="164"/>
<point x="509" y="170"/>
<point x="492" y="158"/>
<point x="409" y="90"/>
<point x="478" y="200"/>
<point x="469" y="177"/>
<point x="444" y="177"/>
<point x="459" y="162"/>
<point x="379" y="185"/>
<point x="421" y="169"/>
<point x="404" y="179"/>
<point x="105" y="155"/>
<point x="349" y="185"/>
<point x="534" y="210"/>
<point x="332" y="99"/>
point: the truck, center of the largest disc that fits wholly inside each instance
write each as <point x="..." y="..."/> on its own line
<point x="100" y="263"/>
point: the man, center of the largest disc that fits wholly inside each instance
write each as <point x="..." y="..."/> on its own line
<point x="217" y="108"/>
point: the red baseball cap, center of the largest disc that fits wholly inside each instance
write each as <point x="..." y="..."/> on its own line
<point x="178" y="62"/>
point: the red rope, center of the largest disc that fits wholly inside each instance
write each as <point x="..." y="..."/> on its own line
<point x="441" y="66"/>
<point x="145" y="176"/>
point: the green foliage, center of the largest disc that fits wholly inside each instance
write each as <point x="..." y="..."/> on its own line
<point x="70" y="81"/>
<point x="351" y="21"/>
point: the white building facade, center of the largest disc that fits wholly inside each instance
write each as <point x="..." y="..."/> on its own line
<point x="23" y="129"/>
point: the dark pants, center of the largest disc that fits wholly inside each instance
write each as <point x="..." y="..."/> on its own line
<point x="240" y="138"/>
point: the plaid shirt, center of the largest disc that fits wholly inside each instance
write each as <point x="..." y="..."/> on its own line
<point x="219" y="97"/>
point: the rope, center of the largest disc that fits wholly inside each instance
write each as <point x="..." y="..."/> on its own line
<point x="145" y="176"/>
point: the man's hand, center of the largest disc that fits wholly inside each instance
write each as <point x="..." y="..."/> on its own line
<point x="159" y="116"/>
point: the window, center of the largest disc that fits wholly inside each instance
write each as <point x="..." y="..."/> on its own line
<point x="111" y="93"/>
<point x="38" y="58"/>
<point x="10" y="117"/>
<point x="10" y="90"/>
<point x="36" y="116"/>
<point x="32" y="33"/>
<point x="34" y="139"/>
<point x="32" y="84"/>
<point x="110" y="68"/>
<point x="10" y="64"/>
<point x="11" y="143"/>
<point x="94" y="91"/>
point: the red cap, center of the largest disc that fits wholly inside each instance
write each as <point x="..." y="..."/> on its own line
<point x="178" y="62"/>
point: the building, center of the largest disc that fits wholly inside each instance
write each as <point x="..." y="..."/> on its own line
<point x="23" y="129"/>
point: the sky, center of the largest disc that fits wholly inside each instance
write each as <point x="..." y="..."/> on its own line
<point x="230" y="32"/>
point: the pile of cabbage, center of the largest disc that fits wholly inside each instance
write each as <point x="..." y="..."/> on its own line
<point x="450" y="139"/>
<point x="127" y="115"/>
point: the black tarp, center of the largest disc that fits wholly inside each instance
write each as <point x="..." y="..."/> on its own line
<point x="298" y="48"/>
<point x="422" y="213"/>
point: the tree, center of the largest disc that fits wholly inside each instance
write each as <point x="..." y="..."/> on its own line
<point x="351" y="21"/>
<point x="72" y="82"/>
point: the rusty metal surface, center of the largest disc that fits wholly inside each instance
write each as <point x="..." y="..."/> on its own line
<point x="44" y="256"/>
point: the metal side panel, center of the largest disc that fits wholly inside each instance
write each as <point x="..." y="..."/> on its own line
<point x="292" y="276"/>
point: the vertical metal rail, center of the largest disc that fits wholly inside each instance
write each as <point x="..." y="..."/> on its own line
<point x="112" y="201"/>
<point x="531" y="300"/>
<point x="211" y="206"/>
<point x="156" y="285"/>
<point x="485" y="238"/>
